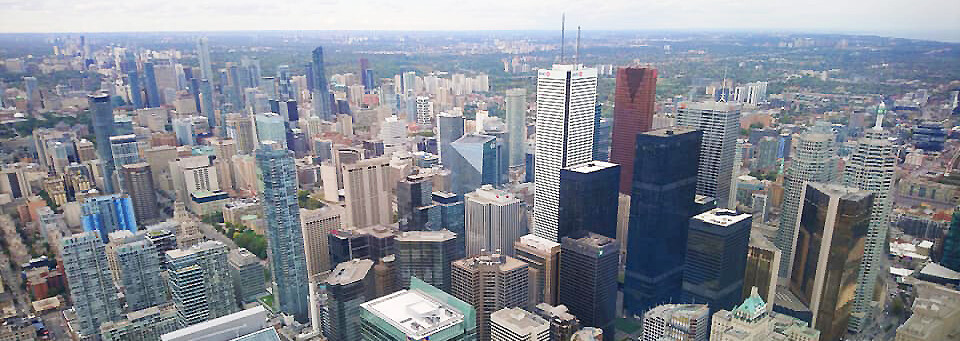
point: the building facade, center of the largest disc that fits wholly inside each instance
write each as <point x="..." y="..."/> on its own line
<point x="720" y="123"/>
<point x="633" y="109"/>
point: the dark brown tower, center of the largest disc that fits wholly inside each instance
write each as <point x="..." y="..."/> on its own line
<point x="633" y="109"/>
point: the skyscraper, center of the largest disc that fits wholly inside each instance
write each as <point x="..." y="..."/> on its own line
<point x="472" y="161"/>
<point x="200" y="284"/>
<point x="317" y="225"/>
<point x="203" y="55"/>
<point x="543" y="257"/>
<point x="424" y="111"/>
<point x="489" y="283"/>
<point x="108" y="213"/>
<point x="871" y="168"/>
<point x="716" y="258"/>
<point x="834" y="224"/>
<point x="426" y="255"/>
<point x="633" y="109"/>
<point x="661" y="204"/>
<point x="451" y="129"/>
<point x="150" y="82"/>
<point x="92" y="290"/>
<point x="206" y="102"/>
<point x="421" y="313"/>
<point x="276" y="169"/>
<point x="589" y="198"/>
<point x="566" y="98"/>
<point x="138" y="181"/>
<point x="588" y="264"/>
<point x="247" y="274"/>
<point x="415" y="207"/>
<point x="453" y="218"/>
<point x="349" y="284"/>
<point x="720" y="123"/>
<point x="321" y="94"/>
<point x="676" y="322"/>
<point x="241" y="129"/>
<point x="516" y="103"/>
<point x="271" y="127"/>
<point x="951" y="243"/>
<point x="808" y="165"/>
<point x="367" y="192"/>
<point x="494" y="221"/>
<point x="136" y="93"/>
<point x="763" y="261"/>
<point x="101" y="117"/>
<point x="140" y="274"/>
<point x="516" y="324"/>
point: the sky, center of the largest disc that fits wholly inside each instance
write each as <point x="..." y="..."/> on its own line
<point x="921" y="19"/>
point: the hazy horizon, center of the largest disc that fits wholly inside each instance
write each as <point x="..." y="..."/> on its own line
<point x="920" y="19"/>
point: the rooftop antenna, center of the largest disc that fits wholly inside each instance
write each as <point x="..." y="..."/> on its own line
<point x="577" y="57"/>
<point x="723" y="86"/>
<point x="563" y="23"/>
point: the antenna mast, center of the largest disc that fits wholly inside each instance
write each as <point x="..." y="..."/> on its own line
<point x="563" y="23"/>
<point x="577" y="58"/>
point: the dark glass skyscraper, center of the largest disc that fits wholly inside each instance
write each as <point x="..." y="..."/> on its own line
<point x="101" y="113"/>
<point x="278" y="173"/>
<point x="451" y="129"/>
<point x="716" y="258"/>
<point x="951" y="244"/>
<point x="321" y="94"/>
<point x="415" y="207"/>
<point x="589" y="199"/>
<point x="664" y="187"/>
<point x="588" y="264"/>
<point x="473" y="162"/>
<point x="452" y="218"/>
<point x="633" y="108"/>
<point x="150" y="83"/>
<point x="136" y="93"/>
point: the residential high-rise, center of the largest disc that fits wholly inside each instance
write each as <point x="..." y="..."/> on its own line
<point x="720" y="123"/>
<point x="472" y="160"/>
<point x="200" y="284"/>
<point x="494" y="221"/>
<point x="138" y="182"/>
<point x="139" y="268"/>
<point x="247" y="272"/>
<point x="126" y="150"/>
<point x="240" y="128"/>
<point x="203" y="55"/>
<point x="516" y="108"/>
<point x="426" y="255"/>
<point x="589" y="262"/>
<point x="661" y="204"/>
<point x="754" y="320"/>
<point x="415" y="208"/>
<point x="589" y="198"/>
<point x="276" y="170"/>
<point x="451" y="127"/>
<point x="763" y="261"/>
<point x="813" y="151"/>
<point x="424" y="111"/>
<point x="108" y="213"/>
<point x="872" y="167"/>
<point x="92" y="290"/>
<point x="347" y="286"/>
<point x="676" y="322"/>
<point x="366" y="188"/>
<point x="101" y="117"/>
<point x="566" y="101"/>
<point x="834" y="224"/>
<point x="633" y="109"/>
<point x="543" y="257"/>
<point x="516" y="324"/>
<point x="317" y="225"/>
<point x="490" y="282"/>
<point x="271" y="127"/>
<point x="716" y="258"/>
<point x="419" y="314"/>
<point x="322" y="107"/>
<point x="145" y="324"/>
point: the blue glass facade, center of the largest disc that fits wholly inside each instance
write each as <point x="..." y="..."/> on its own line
<point x="150" y="83"/>
<point x="473" y="163"/>
<point x="136" y="93"/>
<point x="452" y="218"/>
<point x="278" y="175"/>
<point x="451" y="129"/>
<point x="716" y="258"/>
<point x="589" y="198"/>
<point x="661" y="204"/>
<point x="101" y="116"/>
<point x="108" y="213"/>
<point x="321" y="94"/>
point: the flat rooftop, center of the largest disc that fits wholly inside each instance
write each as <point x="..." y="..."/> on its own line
<point x="519" y="321"/>
<point x="426" y="236"/>
<point x="414" y="313"/>
<point x="349" y="272"/>
<point x="539" y="243"/>
<point x="592" y="166"/>
<point x="722" y="217"/>
<point x="670" y="131"/>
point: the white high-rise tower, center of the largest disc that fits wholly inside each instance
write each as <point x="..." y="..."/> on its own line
<point x="871" y="167"/>
<point x="809" y="164"/>
<point x="566" y="105"/>
<point x="720" y="123"/>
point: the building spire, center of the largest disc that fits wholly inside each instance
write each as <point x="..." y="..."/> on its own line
<point x="563" y="24"/>
<point x="881" y="111"/>
<point x="576" y="58"/>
